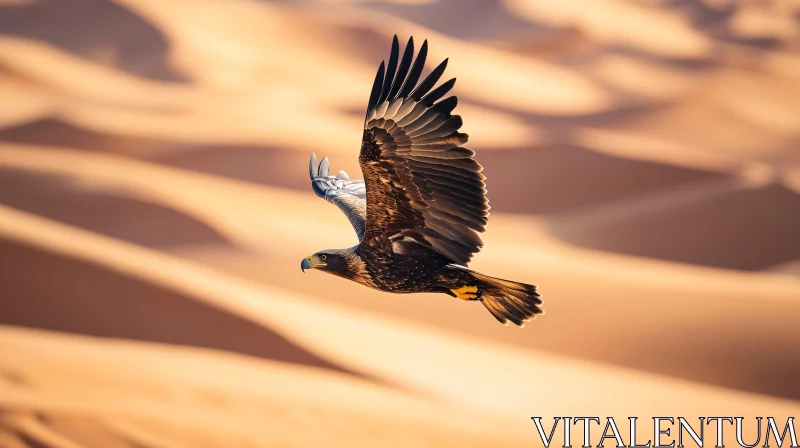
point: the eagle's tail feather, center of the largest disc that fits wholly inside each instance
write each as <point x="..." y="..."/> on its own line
<point x="509" y="301"/>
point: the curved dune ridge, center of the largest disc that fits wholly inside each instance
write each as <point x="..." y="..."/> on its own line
<point x="642" y="169"/>
<point x="481" y="376"/>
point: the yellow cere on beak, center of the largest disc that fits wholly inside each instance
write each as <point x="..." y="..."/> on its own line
<point x="311" y="262"/>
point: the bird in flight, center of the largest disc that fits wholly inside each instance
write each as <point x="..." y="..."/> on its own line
<point x="422" y="204"/>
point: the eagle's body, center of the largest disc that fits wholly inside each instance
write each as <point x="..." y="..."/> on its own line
<point x="422" y="204"/>
<point x="420" y="271"/>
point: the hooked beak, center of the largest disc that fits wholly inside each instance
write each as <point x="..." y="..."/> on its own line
<point x="311" y="262"/>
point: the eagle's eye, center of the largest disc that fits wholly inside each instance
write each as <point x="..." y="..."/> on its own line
<point x="324" y="257"/>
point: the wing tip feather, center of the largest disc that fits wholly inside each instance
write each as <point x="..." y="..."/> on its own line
<point x="312" y="166"/>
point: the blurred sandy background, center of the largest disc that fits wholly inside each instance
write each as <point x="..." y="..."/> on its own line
<point x="643" y="164"/>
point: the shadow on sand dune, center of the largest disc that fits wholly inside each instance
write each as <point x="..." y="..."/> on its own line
<point x="743" y="229"/>
<point x="571" y="176"/>
<point x="108" y="213"/>
<point x="49" y="291"/>
<point x="258" y="164"/>
<point x="547" y="180"/>
<point x="98" y="30"/>
<point x="487" y="19"/>
<point x="734" y="338"/>
<point x="555" y="179"/>
<point x="58" y="133"/>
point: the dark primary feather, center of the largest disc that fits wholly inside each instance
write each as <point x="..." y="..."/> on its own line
<point x="376" y="89"/>
<point x="438" y="92"/>
<point x="429" y="82"/>
<point x="422" y="185"/>
<point x="416" y="70"/>
<point x="402" y="71"/>
<point x="390" y="71"/>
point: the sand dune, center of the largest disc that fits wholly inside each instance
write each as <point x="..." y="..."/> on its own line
<point x="54" y="132"/>
<point x="747" y="229"/>
<point x="116" y="215"/>
<point x="154" y="203"/>
<point x="71" y="297"/>
<point x="137" y="46"/>
<point x="127" y="393"/>
<point x="575" y="178"/>
<point x="339" y="332"/>
<point x="691" y="299"/>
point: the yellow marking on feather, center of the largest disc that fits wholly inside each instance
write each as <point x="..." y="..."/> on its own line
<point x="466" y="292"/>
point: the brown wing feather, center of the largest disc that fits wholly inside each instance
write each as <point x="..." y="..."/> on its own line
<point x="422" y="184"/>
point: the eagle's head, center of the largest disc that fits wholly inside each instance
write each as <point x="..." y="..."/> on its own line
<point x="332" y="261"/>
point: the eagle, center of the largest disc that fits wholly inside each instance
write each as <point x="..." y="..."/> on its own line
<point x="422" y="204"/>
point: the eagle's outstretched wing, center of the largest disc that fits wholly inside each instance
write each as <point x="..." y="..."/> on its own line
<point x="349" y="195"/>
<point x="422" y="186"/>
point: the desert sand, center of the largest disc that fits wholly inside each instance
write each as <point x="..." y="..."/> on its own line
<point x="642" y="166"/>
